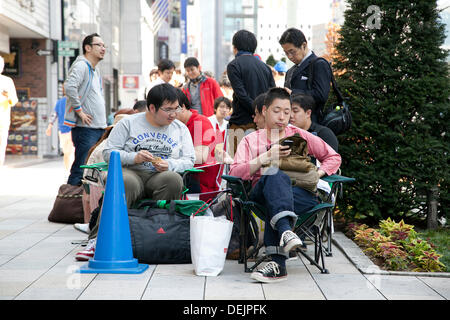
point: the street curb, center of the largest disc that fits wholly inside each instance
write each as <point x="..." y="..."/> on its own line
<point x="366" y="266"/>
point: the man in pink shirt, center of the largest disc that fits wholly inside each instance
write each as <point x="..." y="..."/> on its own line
<point x="272" y="187"/>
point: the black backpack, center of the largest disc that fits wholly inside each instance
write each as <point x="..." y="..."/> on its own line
<point x="337" y="117"/>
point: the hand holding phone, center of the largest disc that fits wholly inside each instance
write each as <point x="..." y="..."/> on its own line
<point x="288" y="143"/>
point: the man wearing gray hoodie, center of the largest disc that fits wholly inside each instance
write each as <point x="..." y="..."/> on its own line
<point x="85" y="108"/>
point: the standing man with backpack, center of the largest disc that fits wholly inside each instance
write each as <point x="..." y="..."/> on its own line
<point x="85" y="107"/>
<point x="297" y="79"/>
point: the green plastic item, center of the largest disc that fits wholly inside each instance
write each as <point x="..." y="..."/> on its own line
<point x="186" y="207"/>
<point x="102" y="166"/>
<point x="195" y="170"/>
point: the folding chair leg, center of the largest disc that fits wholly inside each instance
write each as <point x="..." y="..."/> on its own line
<point x="318" y="252"/>
<point x="321" y="268"/>
<point x="329" y="232"/>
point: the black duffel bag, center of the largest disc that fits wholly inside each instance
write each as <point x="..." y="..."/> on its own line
<point x="160" y="235"/>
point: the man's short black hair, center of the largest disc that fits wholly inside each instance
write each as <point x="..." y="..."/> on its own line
<point x="88" y="41"/>
<point x="276" y="93"/>
<point x="165" y="64"/>
<point x="140" y="106"/>
<point x="244" y="40"/>
<point x="258" y="103"/>
<point x="191" y="62"/>
<point x="219" y="100"/>
<point x="182" y="99"/>
<point x="306" y="102"/>
<point x="293" y="36"/>
<point x="160" y="94"/>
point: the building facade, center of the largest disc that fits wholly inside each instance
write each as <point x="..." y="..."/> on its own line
<point x="27" y="31"/>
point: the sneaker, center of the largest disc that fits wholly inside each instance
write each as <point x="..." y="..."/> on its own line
<point x="290" y="241"/>
<point x="88" y="252"/>
<point x="83" y="227"/>
<point x="271" y="272"/>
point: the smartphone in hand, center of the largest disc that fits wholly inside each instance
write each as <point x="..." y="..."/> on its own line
<point x="288" y="143"/>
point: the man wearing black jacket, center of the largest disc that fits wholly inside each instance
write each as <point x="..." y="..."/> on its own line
<point x="295" y="47"/>
<point x="249" y="77"/>
<point x="302" y="105"/>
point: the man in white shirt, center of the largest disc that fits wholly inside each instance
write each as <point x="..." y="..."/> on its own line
<point x="166" y="69"/>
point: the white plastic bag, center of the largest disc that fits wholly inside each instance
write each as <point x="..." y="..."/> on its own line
<point x="210" y="237"/>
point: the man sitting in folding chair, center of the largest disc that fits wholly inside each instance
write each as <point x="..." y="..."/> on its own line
<point x="272" y="187"/>
<point x="154" y="149"/>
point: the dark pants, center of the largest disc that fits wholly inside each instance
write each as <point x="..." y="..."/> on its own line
<point x="83" y="139"/>
<point x="283" y="203"/>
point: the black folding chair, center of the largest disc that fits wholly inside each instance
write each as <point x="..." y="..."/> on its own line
<point x="310" y="225"/>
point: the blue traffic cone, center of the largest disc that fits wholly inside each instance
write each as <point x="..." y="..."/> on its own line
<point x="113" y="251"/>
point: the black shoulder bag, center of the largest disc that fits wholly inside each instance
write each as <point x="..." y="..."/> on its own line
<point x="337" y="117"/>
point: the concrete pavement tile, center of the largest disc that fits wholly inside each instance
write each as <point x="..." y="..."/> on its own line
<point x="347" y="287"/>
<point x="441" y="285"/>
<point x="57" y="286"/>
<point x="13" y="282"/>
<point x="10" y="289"/>
<point x="18" y="242"/>
<point x="174" y="287"/>
<point x="5" y="258"/>
<point x="43" y="225"/>
<point x="336" y="268"/>
<point x="299" y="285"/>
<point x="117" y="286"/>
<point x="11" y="200"/>
<point x="175" y="269"/>
<point x="15" y="224"/>
<point x="233" y="284"/>
<point x="5" y="233"/>
<point x="399" y="287"/>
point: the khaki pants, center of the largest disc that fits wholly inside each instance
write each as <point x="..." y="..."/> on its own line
<point x="167" y="185"/>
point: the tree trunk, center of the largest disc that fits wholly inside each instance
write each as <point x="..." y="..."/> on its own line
<point x="432" y="218"/>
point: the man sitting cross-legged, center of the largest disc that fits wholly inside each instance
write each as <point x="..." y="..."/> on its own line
<point x="272" y="187"/>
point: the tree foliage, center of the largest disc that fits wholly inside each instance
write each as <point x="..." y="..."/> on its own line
<point x="393" y="69"/>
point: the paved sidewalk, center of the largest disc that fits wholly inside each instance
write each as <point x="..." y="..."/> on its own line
<point x="37" y="261"/>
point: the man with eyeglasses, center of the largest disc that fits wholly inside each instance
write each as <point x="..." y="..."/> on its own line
<point x="295" y="47"/>
<point x="85" y="109"/>
<point x="154" y="148"/>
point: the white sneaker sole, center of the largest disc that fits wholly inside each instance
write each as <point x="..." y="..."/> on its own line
<point x="293" y="245"/>
<point x="83" y="227"/>
<point x="259" y="277"/>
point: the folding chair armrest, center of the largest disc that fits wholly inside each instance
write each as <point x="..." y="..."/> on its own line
<point x="232" y="179"/>
<point x="337" y="178"/>
<point x="101" y="166"/>
<point x="307" y="215"/>
<point x="238" y="186"/>
<point x="193" y="170"/>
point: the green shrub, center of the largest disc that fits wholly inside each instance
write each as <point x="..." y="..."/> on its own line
<point x="397" y="81"/>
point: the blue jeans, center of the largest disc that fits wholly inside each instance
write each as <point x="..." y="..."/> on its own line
<point x="283" y="203"/>
<point x="83" y="139"/>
